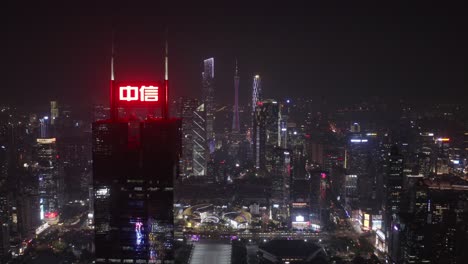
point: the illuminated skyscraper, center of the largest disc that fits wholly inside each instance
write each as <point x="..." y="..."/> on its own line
<point x="256" y="92"/>
<point x="281" y="181"/>
<point x="361" y="161"/>
<point x="46" y="167"/>
<point x="265" y="133"/>
<point x="186" y="108"/>
<point x="208" y="101"/>
<point x="393" y="186"/>
<point x="54" y="112"/>
<point x="135" y="162"/>
<point x="235" y="116"/>
<point x="200" y="147"/>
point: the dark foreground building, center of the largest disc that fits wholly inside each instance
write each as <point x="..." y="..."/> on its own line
<point x="134" y="165"/>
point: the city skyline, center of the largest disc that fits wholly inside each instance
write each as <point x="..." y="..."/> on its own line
<point x="283" y="134"/>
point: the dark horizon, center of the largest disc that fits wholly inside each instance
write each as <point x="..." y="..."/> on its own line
<point x="396" y="51"/>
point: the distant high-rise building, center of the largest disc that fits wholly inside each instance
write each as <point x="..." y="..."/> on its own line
<point x="208" y="101"/>
<point x="100" y="112"/>
<point x="361" y="161"/>
<point x="54" y="111"/>
<point x="235" y="116"/>
<point x="265" y="133"/>
<point x="186" y="108"/>
<point x="256" y="97"/>
<point x="281" y="177"/>
<point x="301" y="190"/>
<point x="4" y="201"/>
<point x="435" y="229"/>
<point x="44" y="127"/>
<point x="393" y="184"/>
<point x="200" y="147"/>
<point x="50" y="183"/>
<point x="256" y="92"/>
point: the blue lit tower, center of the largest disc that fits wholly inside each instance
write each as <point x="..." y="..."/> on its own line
<point x="208" y="100"/>
<point x="235" y="116"/>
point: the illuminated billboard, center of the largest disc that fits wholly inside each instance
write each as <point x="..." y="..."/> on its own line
<point x="45" y="140"/>
<point x="137" y="94"/>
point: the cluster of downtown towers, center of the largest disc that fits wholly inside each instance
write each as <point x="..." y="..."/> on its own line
<point x="403" y="180"/>
<point x="135" y="163"/>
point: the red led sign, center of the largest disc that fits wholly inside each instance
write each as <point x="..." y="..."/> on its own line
<point x="51" y="215"/>
<point x="142" y="94"/>
<point x="137" y="94"/>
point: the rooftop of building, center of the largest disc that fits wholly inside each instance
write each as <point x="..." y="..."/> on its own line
<point x="290" y="248"/>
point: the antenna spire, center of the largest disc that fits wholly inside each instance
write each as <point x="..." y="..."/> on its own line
<point x="237" y="72"/>
<point x="165" y="110"/>
<point x="166" y="60"/>
<point x="112" y="57"/>
<point x="113" y="111"/>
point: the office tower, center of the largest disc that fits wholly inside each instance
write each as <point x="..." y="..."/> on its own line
<point x="135" y="162"/>
<point x="44" y="127"/>
<point x="256" y="97"/>
<point x="281" y="176"/>
<point x="265" y="133"/>
<point x="416" y="238"/>
<point x="435" y="229"/>
<point x="235" y="117"/>
<point x="301" y="190"/>
<point x="186" y="108"/>
<point x="100" y="112"/>
<point x="50" y="184"/>
<point x="200" y="147"/>
<point x="208" y="101"/>
<point x="54" y="112"/>
<point x="4" y="165"/>
<point x="351" y="190"/>
<point x="441" y="153"/>
<point x="4" y="237"/>
<point x="74" y="150"/>
<point x="393" y="189"/>
<point x="133" y="185"/>
<point x="256" y="92"/>
<point x="361" y="161"/>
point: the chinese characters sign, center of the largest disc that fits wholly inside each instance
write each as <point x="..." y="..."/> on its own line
<point x="137" y="95"/>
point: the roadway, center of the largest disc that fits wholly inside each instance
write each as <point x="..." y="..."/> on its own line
<point x="211" y="252"/>
<point x="252" y="254"/>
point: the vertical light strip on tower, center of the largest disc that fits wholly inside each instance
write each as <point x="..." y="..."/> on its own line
<point x="113" y="110"/>
<point x="235" y="118"/>
<point x="208" y="100"/>
<point x="166" y="80"/>
<point x="256" y="91"/>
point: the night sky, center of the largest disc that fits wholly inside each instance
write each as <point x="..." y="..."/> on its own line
<point x="401" y="50"/>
